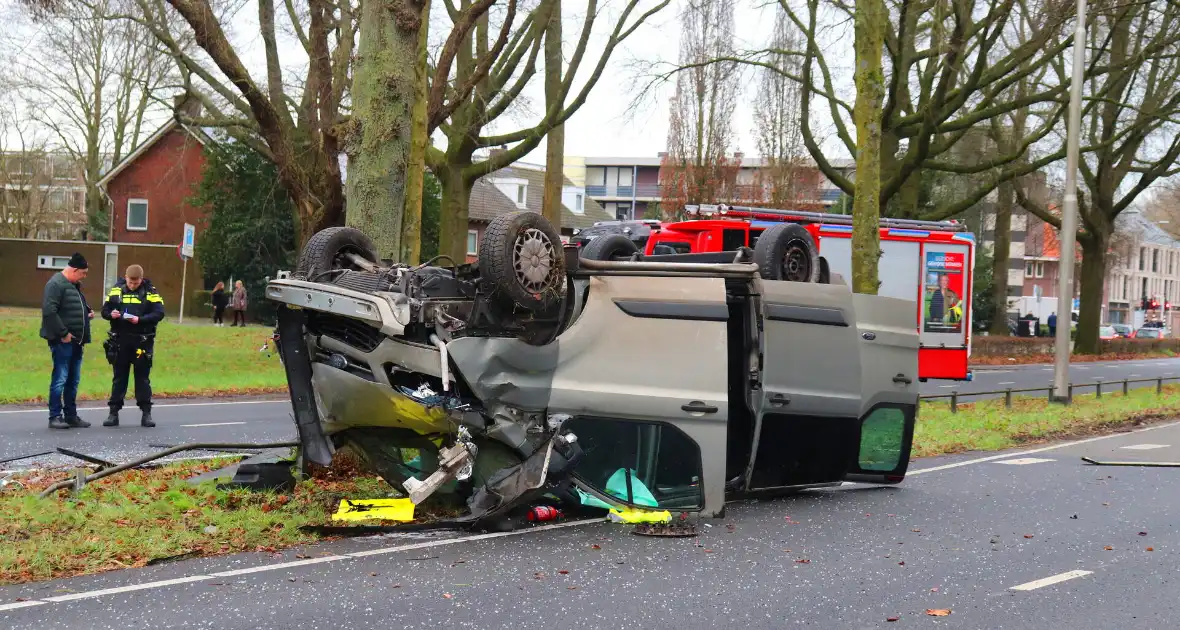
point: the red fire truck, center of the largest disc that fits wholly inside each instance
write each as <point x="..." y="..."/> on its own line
<point x="928" y="262"/>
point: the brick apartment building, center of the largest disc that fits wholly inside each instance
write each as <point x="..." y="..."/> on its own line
<point x="1144" y="262"/>
<point x="42" y="195"/>
<point x="627" y="186"/>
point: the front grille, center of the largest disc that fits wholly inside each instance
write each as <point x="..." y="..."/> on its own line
<point x="353" y="332"/>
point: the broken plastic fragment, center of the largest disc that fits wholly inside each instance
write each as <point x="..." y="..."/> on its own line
<point x="375" y="509"/>
<point x="631" y="515"/>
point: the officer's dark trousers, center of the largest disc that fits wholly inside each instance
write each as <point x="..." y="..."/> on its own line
<point x="125" y="362"/>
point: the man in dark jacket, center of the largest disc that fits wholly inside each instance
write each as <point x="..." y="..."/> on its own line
<point x="133" y="308"/>
<point x="65" y="326"/>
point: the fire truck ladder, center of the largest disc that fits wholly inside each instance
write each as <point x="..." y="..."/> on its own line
<point x="800" y="216"/>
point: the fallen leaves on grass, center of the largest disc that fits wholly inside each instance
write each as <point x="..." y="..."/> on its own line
<point x="129" y="519"/>
<point x="938" y="612"/>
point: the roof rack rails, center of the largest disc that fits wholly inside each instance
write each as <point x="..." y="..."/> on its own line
<point x="801" y="216"/>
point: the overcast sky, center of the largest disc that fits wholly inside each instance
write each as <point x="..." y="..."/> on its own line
<point x="607" y="124"/>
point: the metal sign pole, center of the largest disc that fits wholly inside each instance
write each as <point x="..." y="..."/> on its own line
<point x="183" y="280"/>
<point x="1069" y="218"/>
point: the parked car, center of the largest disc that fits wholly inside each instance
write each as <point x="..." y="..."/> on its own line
<point x="1122" y="330"/>
<point x="669" y="382"/>
<point x="1107" y="332"/>
<point x="1149" y="333"/>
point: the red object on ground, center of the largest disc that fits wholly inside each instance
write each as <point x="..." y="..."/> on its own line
<point x="544" y="513"/>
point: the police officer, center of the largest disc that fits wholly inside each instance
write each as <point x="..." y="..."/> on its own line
<point x="133" y="308"/>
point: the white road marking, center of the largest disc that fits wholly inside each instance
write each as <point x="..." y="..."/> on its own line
<point x="1144" y="447"/>
<point x="1007" y="383"/>
<point x="276" y="567"/>
<point x="1132" y="375"/>
<point x="15" y="605"/>
<point x="1053" y="579"/>
<point x="1043" y="449"/>
<point x="1022" y="461"/>
<point x="1046" y="369"/>
<point x="288" y="565"/>
<point x="126" y="589"/>
<point x="1081" y="367"/>
<point x="158" y="405"/>
<point x="212" y="424"/>
<point x="982" y="372"/>
<point x="946" y="386"/>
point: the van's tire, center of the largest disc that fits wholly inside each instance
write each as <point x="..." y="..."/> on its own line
<point x="325" y="249"/>
<point x="522" y="257"/>
<point x="609" y="247"/>
<point x="787" y="252"/>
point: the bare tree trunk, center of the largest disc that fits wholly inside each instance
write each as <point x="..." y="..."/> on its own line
<point x="555" y="141"/>
<point x="378" y="143"/>
<point x="453" y="218"/>
<point x="1000" y="254"/>
<point x="419" y="137"/>
<point x="1092" y="278"/>
<point x="870" y="22"/>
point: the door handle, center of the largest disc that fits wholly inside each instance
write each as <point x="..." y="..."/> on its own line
<point x="779" y="400"/>
<point x="902" y="378"/>
<point x="697" y="406"/>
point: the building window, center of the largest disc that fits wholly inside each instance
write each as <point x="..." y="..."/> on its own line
<point x="579" y="203"/>
<point x="1155" y="260"/>
<point x="472" y="243"/>
<point x="1040" y="269"/>
<point x="521" y="191"/>
<point x="1029" y="269"/>
<point x="137" y="214"/>
<point x="53" y="262"/>
<point x="1142" y="257"/>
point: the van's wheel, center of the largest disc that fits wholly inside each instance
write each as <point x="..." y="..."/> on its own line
<point x="521" y="255"/>
<point x="326" y="250"/>
<point x="787" y="252"/>
<point x="609" y="247"/>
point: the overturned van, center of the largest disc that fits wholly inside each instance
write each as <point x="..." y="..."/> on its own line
<point x="600" y="376"/>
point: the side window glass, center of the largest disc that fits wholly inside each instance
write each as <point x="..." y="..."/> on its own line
<point x="732" y="239"/>
<point x="646" y="464"/>
<point x="881" y="437"/>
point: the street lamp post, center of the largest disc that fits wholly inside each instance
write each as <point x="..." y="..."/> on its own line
<point x="1069" y="218"/>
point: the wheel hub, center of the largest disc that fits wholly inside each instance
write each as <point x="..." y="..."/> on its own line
<point x="796" y="267"/>
<point x="532" y="258"/>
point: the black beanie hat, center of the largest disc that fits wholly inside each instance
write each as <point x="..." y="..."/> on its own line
<point x="77" y="261"/>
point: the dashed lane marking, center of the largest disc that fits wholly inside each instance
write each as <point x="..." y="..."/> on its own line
<point x="1043" y="449"/>
<point x="1022" y="461"/>
<point x="212" y="424"/>
<point x="1144" y="447"/>
<point x="1007" y="383"/>
<point x="1053" y="579"/>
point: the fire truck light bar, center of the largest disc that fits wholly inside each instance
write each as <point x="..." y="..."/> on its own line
<point x="801" y="216"/>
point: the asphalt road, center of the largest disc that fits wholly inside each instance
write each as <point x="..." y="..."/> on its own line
<point x="1028" y="376"/>
<point x="1023" y="539"/>
<point x="23" y="429"/>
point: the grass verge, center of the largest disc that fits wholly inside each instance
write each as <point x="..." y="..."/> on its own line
<point x="195" y="360"/>
<point x="131" y="518"/>
<point x="987" y="425"/>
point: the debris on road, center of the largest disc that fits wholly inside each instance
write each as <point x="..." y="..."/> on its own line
<point x="938" y="612"/>
<point x="670" y="530"/>
<point x="1096" y="462"/>
<point x="375" y="509"/>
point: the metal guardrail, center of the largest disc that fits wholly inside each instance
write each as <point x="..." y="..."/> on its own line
<point x="955" y="395"/>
